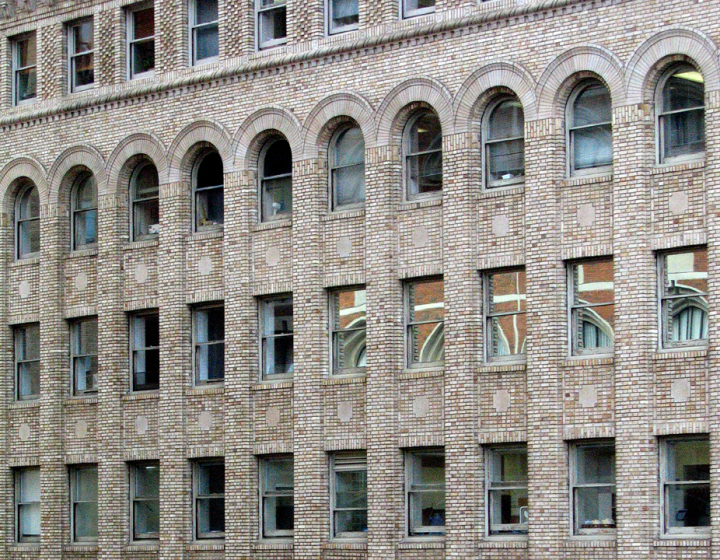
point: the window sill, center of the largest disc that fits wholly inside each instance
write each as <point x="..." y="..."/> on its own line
<point x="345" y="380"/>
<point x="508" y="190"/>
<point x="210" y="389"/>
<point x="134" y="548"/>
<point x="141" y="396"/>
<point x="680" y="541"/>
<point x="25" y="262"/>
<point x="24" y="547"/>
<point x="414" y="543"/>
<point x="500" y="366"/>
<point x="276" y="224"/>
<point x="504" y="542"/>
<point x="81" y="547"/>
<point x="19" y="405"/>
<point x="281" y="543"/>
<point x="586" y="180"/>
<point x="422" y="373"/>
<point x="417" y="204"/>
<point x="662" y="168"/>
<point x="270" y="385"/>
<point x="343" y="214"/>
<point x="79" y="401"/>
<point x="346" y="544"/>
<point x="209" y="545"/>
<point x="681" y="353"/>
<point x="82" y="253"/>
<point x="599" y="360"/>
<point x="144" y="244"/>
<point x="590" y="541"/>
<point x="215" y="233"/>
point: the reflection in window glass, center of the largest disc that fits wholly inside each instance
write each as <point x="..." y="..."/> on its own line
<point x="684" y="297"/>
<point x="592" y="306"/>
<point x="505" y="314"/>
<point x="348" y="330"/>
<point x="686" y="485"/>
<point x="425" y="322"/>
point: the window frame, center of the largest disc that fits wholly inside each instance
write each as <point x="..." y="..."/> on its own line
<point x="345" y="461"/>
<point x="660" y="158"/>
<point x="572" y="307"/>
<point x="599" y="533"/>
<point x="135" y="199"/>
<point x="485" y="142"/>
<point x="130" y="40"/>
<point x="72" y="54"/>
<point x="131" y="320"/>
<point x="422" y="532"/>
<point x="18" y="504"/>
<point x="262" y="179"/>
<point x="16" y="68"/>
<point x="570" y="128"/>
<point x="335" y="370"/>
<point x="262" y="301"/>
<point x="18" y="222"/>
<point x="490" y="451"/>
<point x="196" y="345"/>
<point x="74" y="211"/>
<point x="197" y="190"/>
<point x="17" y="362"/>
<point x="133" y="499"/>
<point x="73" y="472"/>
<point x="193" y="27"/>
<point x="259" y="10"/>
<point x="407" y="154"/>
<point x="408" y="324"/>
<point x="75" y="329"/>
<point x="329" y="29"/>
<point x="663" y="323"/>
<point x="197" y="498"/>
<point x="332" y="147"/>
<point x="408" y="14"/>
<point x="489" y="315"/>
<point x="262" y="474"/>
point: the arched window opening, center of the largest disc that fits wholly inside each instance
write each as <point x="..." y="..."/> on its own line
<point x="681" y="118"/>
<point x="504" y="143"/>
<point x="209" y="197"/>
<point x="145" y="193"/>
<point x="276" y="180"/>
<point x="27" y="222"/>
<point x="347" y="168"/>
<point x="423" y="155"/>
<point x="590" y="129"/>
<point x="84" y="211"/>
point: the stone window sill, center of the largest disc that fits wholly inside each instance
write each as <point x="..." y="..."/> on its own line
<point x="415" y="543"/>
<point x="417" y="204"/>
<point x="144" y="244"/>
<point x="677" y="541"/>
<point x="272" y="385"/>
<point x="346" y="380"/>
<point x="504" y="542"/>
<point x="215" y="233"/>
<point x="500" y="366"/>
<point x="19" y="263"/>
<point x="574" y="361"/>
<point x="343" y="215"/>
<point x="681" y="353"/>
<point x="510" y="190"/>
<point x="421" y="373"/>
<point x="589" y="180"/>
<point x="662" y="168"/>
<point x="590" y="541"/>
<point x="145" y="395"/>
<point x="82" y="253"/>
<point x="277" y="224"/>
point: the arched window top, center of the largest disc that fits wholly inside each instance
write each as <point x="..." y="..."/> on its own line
<point x="683" y="88"/>
<point x="84" y="211"/>
<point x="210" y="171"/>
<point x="506" y="120"/>
<point x="681" y="116"/>
<point x="209" y="206"/>
<point x="27" y="222"/>
<point x="145" y="181"/>
<point x="275" y="180"/>
<point x="277" y="159"/>
<point x="347" y="168"/>
<point x="504" y="143"/>
<point x="590" y="129"/>
<point x="591" y="104"/>
<point x="145" y="191"/>
<point x="423" y="155"/>
<point x="28" y="203"/>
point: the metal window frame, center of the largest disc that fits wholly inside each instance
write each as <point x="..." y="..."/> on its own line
<point x="131" y="320"/>
<point x="75" y="330"/>
<point x="259" y="10"/>
<point x="17" y="361"/>
<point x="329" y="29"/>
<point x="570" y="129"/>
<point x="411" y="490"/>
<point x="197" y="498"/>
<point x="574" y="447"/>
<point x="19" y="472"/>
<point x="490" y="453"/>
<point x="130" y="40"/>
<point x="193" y="27"/>
<point x="73" y="54"/>
<point x="196" y="191"/>
<point x="489" y="315"/>
<point x="407" y="285"/>
<point x="407" y="14"/>
<point x="134" y="467"/>
<point x="18" y="222"/>
<point x="196" y="345"/>
<point x="332" y="206"/>
<point x="335" y="370"/>
<point x="345" y="461"/>
<point x="263" y="494"/>
<point x="572" y="308"/>
<point x="74" y="212"/>
<point x="134" y="200"/>
<point x="73" y="472"/>
<point x="16" y="68"/>
<point x="489" y="185"/>
<point x="262" y="179"/>
<point x="408" y="155"/>
<point x="262" y="302"/>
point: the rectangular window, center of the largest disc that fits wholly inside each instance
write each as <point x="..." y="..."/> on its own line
<point x="209" y="491"/>
<point x="145" y="500"/>
<point x="277" y="489"/>
<point x="684" y="297"/>
<point x="425" y="322"/>
<point x="507" y="490"/>
<point x="685" y="479"/>
<point x="145" y="351"/>
<point x="348" y="330"/>
<point x="24" y="68"/>
<point x="276" y="319"/>
<point x="271" y="23"/>
<point x="84" y="503"/>
<point x="209" y="344"/>
<point x="27" y="504"/>
<point x="27" y="361"/>
<point x="81" y="57"/>
<point x="505" y="322"/>
<point x="343" y="15"/>
<point x="349" y="495"/>
<point x="204" y="33"/>
<point x="412" y="8"/>
<point x="425" y="489"/>
<point x="592" y="306"/>
<point x="141" y="41"/>
<point x="592" y="479"/>
<point x="84" y="350"/>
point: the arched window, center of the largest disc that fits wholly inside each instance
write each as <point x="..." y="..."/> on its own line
<point x="423" y="155"/>
<point x="504" y="143"/>
<point x="83" y="200"/>
<point x="27" y="222"/>
<point x="208" y="187"/>
<point x="347" y="168"/>
<point x="681" y="115"/>
<point x="590" y="129"/>
<point x="275" y="180"/>
<point x="145" y="192"/>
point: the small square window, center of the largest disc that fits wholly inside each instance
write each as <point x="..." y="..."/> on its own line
<point x="507" y="490"/>
<point x="145" y="500"/>
<point x="592" y="478"/>
<point x="271" y="23"/>
<point x="84" y="498"/>
<point x="204" y="32"/>
<point x="425" y="492"/>
<point x="210" y="499"/>
<point x="277" y="488"/>
<point x="348" y="330"/>
<point x="425" y="323"/>
<point x="685" y="479"/>
<point x="349" y="495"/>
<point x="27" y="361"/>
<point x="141" y="41"/>
<point x="81" y="54"/>
<point x="592" y="306"/>
<point x="343" y="15"/>
<point x="209" y="344"/>
<point x="24" y="68"/>
<point x="505" y="308"/>
<point x="145" y="350"/>
<point x="27" y="504"/>
<point x="412" y="8"/>
<point x="84" y="355"/>
<point x="684" y="297"/>
<point x="276" y="319"/>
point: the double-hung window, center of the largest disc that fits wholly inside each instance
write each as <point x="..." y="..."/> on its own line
<point x="592" y="480"/>
<point x="145" y="501"/>
<point x="685" y="479"/>
<point x="27" y="222"/>
<point x="141" y="41"/>
<point x="349" y="495"/>
<point x="425" y="492"/>
<point x="84" y="355"/>
<point x="504" y="143"/>
<point x="83" y="199"/>
<point x="81" y="54"/>
<point x="84" y="503"/>
<point x="347" y="168"/>
<point x="209" y="492"/>
<point x="24" y="68"/>
<point x="592" y="306"/>
<point x="505" y="323"/>
<point x="145" y="201"/>
<point x="277" y="488"/>
<point x="684" y="297"/>
<point x="348" y="330"/>
<point x="209" y="344"/>
<point x="208" y="183"/>
<point x="204" y="33"/>
<point x="343" y="15"/>
<point x="27" y="361"/>
<point x="271" y="23"/>
<point x="422" y="148"/>
<point x="412" y="8"/>
<point x="681" y="115"/>
<point x="425" y="322"/>
<point x="145" y="350"/>
<point x="27" y="504"/>
<point x="275" y="180"/>
<point x="590" y="129"/>
<point x="276" y="319"/>
<point x="507" y="490"/>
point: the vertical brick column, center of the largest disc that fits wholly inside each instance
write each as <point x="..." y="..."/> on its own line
<point x="53" y="384"/>
<point x="237" y="28"/>
<point x="385" y="355"/>
<point x="174" y="375"/>
<point x="460" y="181"/>
<point x="546" y="347"/>
<point x="378" y="12"/>
<point x="635" y="332"/>
<point x="241" y="497"/>
<point x="49" y="61"/>
<point x="112" y="378"/>
<point x="105" y="44"/>
<point x="305" y="21"/>
<point x="170" y="35"/>
<point x="7" y="383"/>
<point x="310" y="319"/>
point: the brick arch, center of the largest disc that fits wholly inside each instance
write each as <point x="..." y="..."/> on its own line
<point x="76" y="156"/>
<point x="133" y="145"/>
<point x="587" y="59"/>
<point x="22" y="168"/>
<point x="675" y="41"/>
<point x="424" y="90"/>
<point x="245" y="145"/>
<point x="199" y="132"/>
<point x="338" y="105"/>
<point x="491" y="76"/>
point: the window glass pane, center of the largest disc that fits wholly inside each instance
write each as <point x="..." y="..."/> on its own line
<point x="592" y="146"/>
<point x="344" y="13"/>
<point x="351" y="489"/>
<point x="86" y="370"/>
<point x="147" y="481"/>
<point x="209" y="210"/>
<point x="279" y="514"/>
<point x="28" y="342"/>
<point x="272" y="25"/>
<point x="350" y="521"/>
<point x="29" y="520"/>
<point x="349" y="185"/>
<point x="424" y="173"/>
<point x="595" y="508"/>
<point x="29" y="485"/>
<point x="595" y="464"/>
<point x="428" y="510"/>
<point x="688" y="506"/>
<point x="146" y="218"/>
<point x="206" y="11"/>
<point x="596" y="326"/>
<point x="686" y="273"/>
<point x="506" y="160"/>
<point x="86" y="193"/>
<point x="211" y="324"/>
<point x="688" y="460"/>
<point x="26" y="51"/>
<point x="278" y="316"/>
<point x="86" y="337"/>
<point x="592" y="106"/>
<point x="211" y="515"/>
<point x="429" y="470"/>
<point x="425" y="134"/>
<point x="146" y="182"/>
<point x="26" y="84"/>
<point x="29" y="204"/>
<point x="509" y="333"/>
<point x="86" y="485"/>
<point x="211" y="479"/>
<point x="349" y="147"/>
<point x="684" y="132"/>
<point x="83" y="36"/>
<point x="685" y="89"/>
<point x="29" y="237"/>
<point x="509" y="510"/>
<point x="85" y="228"/>
<point x="427" y="301"/>
<point x="427" y="342"/>
<point x="210" y="171"/>
<point x="506" y="121"/>
<point x="83" y="70"/>
<point x="508" y="292"/>
<point x="207" y="42"/>
<point x="143" y="57"/>
<point x="276" y="197"/>
<point x="509" y="466"/>
<point x="279" y="475"/>
<point x="143" y="23"/>
<point x="29" y="379"/>
<point x="147" y="518"/>
<point x="350" y="309"/>
<point x="86" y="520"/>
<point x="689" y="318"/>
<point x="413" y="5"/>
<point x="278" y="159"/>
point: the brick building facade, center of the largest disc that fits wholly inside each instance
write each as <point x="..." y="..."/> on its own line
<point x="493" y="343"/>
